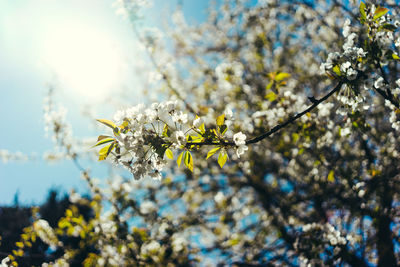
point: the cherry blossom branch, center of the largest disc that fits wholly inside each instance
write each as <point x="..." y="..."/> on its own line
<point x="278" y="127"/>
<point x="388" y="95"/>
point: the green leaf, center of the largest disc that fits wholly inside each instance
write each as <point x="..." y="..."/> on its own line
<point x="336" y="70"/>
<point x="223" y="128"/>
<point x="331" y="176"/>
<point x="222" y="158"/>
<point x="124" y="125"/>
<point x="166" y="131"/>
<point x="194" y="138"/>
<point x="282" y="75"/>
<point x="109" y="124"/>
<point x="271" y="96"/>
<point x="295" y="137"/>
<point x="179" y="160"/>
<point x="169" y="153"/>
<point x="212" y="152"/>
<point x="105" y="151"/>
<point x="101" y="137"/>
<point x="379" y="12"/>
<point x="104" y="141"/>
<point x="363" y="16"/>
<point x="221" y="120"/>
<point x="394" y="56"/>
<point x="388" y="27"/>
<point x="269" y="85"/>
<point x="189" y="161"/>
<point x="68" y="213"/>
<point x="202" y="128"/>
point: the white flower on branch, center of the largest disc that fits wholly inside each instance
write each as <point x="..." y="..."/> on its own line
<point x="179" y="138"/>
<point x="239" y="138"/>
<point x="197" y="122"/>
<point x="241" y="149"/>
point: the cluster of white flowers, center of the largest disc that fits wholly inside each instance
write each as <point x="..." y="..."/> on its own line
<point x="7" y="156"/>
<point x="324" y="109"/>
<point x="394" y="114"/>
<point x="352" y="102"/>
<point x="144" y="138"/>
<point x="4" y="262"/>
<point x="359" y="188"/>
<point x="228" y="75"/>
<point x="346" y="68"/>
<point x="55" y="123"/>
<point x="330" y="234"/>
<point x="348" y="61"/>
<point x="330" y="61"/>
<point x="146" y="133"/>
<point x="396" y="91"/>
<point x="179" y="242"/>
<point x="150" y="248"/>
<point x="334" y="236"/>
<point x="46" y="233"/>
<point x="127" y="8"/>
<point x="240" y="141"/>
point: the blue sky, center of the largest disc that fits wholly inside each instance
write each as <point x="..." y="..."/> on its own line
<point x="45" y="41"/>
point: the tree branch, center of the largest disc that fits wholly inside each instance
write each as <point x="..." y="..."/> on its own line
<point x="316" y="102"/>
<point x="386" y="95"/>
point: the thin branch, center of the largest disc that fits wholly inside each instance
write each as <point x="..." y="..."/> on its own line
<point x="386" y="95"/>
<point x="295" y="117"/>
<point x="316" y="102"/>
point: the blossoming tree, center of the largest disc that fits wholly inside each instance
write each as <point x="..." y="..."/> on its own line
<point x="277" y="144"/>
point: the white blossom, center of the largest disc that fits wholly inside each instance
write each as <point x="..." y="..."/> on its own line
<point x="239" y="138"/>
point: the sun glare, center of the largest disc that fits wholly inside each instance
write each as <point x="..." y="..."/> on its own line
<point x="85" y="60"/>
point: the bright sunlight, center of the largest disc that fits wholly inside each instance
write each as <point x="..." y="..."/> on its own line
<point x="84" y="59"/>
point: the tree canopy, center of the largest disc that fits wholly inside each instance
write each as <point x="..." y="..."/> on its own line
<point x="275" y="143"/>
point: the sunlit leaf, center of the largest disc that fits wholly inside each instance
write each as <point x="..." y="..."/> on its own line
<point x="189" y="161"/>
<point x="202" y="128"/>
<point x="179" y="159"/>
<point x="379" y="12"/>
<point x="269" y="85"/>
<point x="194" y="138"/>
<point x="331" y="176"/>
<point x="271" y="96"/>
<point x="68" y="213"/>
<point x="222" y="158"/>
<point x="336" y="70"/>
<point x="104" y="141"/>
<point x="109" y="124"/>
<point x="105" y="151"/>
<point x="101" y="137"/>
<point x="223" y="129"/>
<point x="169" y="153"/>
<point x="272" y="75"/>
<point x="221" y="120"/>
<point x="295" y="137"/>
<point x="166" y="131"/>
<point x="363" y="16"/>
<point x="212" y="152"/>
<point x="124" y="125"/>
<point x="282" y="75"/>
